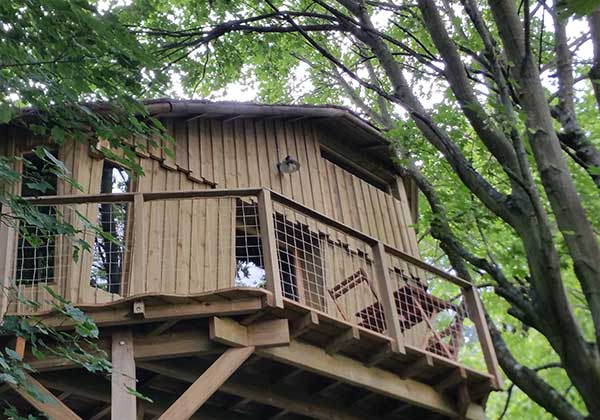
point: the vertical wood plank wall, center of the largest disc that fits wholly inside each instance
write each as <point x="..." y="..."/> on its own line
<point x="244" y="153"/>
<point x="190" y="244"/>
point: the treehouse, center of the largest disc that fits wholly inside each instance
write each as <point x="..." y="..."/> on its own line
<point x="264" y="266"/>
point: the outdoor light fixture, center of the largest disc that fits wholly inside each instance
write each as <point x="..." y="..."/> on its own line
<point x="288" y="165"/>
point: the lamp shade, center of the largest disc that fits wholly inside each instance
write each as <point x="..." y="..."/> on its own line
<point x="288" y="165"/>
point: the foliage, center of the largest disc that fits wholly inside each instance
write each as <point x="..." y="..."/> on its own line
<point x="385" y="60"/>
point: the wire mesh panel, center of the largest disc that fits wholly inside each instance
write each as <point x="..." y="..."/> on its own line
<point x="109" y="255"/>
<point x="84" y="258"/>
<point x="432" y="313"/>
<point x="250" y="271"/>
<point x="326" y="269"/>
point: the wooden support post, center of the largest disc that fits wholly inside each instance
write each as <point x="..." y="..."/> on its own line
<point x="475" y="310"/>
<point x="48" y="404"/>
<point x="123" y="403"/>
<point x="137" y="276"/>
<point x="388" y="302"/>
<point x="206" y="385"/>
<point x="269" y="246"/>
<point x="8" y="239"/>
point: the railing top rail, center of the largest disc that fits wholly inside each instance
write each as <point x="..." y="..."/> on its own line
<point x="280" y="198"/>
<point x="148" y="196"/>
<point x="247" y="192"/>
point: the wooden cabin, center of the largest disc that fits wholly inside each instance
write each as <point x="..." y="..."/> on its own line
<point x="264" y="266"/>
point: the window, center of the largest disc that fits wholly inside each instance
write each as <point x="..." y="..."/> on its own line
<point x="109" y="246"/>
<point x="354" y="168"/>
<point x="35" y="248"/>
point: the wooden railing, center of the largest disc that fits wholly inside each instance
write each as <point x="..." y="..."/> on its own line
<point x="307" y="257"/>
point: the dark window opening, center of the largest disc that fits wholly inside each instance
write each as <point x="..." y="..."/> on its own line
<point x="35" y="248"/>
<point x="355" y="170"/>
<point x="109" y="245"/>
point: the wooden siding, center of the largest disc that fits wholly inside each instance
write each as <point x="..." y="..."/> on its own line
<point x="244" y="153"/>
<point x="190" y="244"/>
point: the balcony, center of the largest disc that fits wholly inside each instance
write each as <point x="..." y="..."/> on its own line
<point x="340" y="289"/>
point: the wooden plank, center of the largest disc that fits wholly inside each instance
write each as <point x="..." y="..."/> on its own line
<point x="123" y="402"/>
<point x="120" y="316"/>
<point x="313" y="154"/>
<point x="137" y="283"/>
<point x="168" y="146"/>
<point x="240" y="155"/>
<point x="376" y="380"/>
<point x="48" y="404"/>
<point x="260" y="334"/>
<point x="182" y="159"/>
<point x="198" y="245"/>
<point x="218" y="156"/>
<point x="184" y="257"/>
<point x="170" y="237"/>
<point x="476" y="313"/>
<point x="7" y="253"/>
<point x="269" y="246"/>
<point x="155" y="232"/>
<point x="252" y="151"/>
<point x="387" y="301"/>
<point x="226" y="243"/>
<point x="194" y="151"/>
<point x="206" y="385"/>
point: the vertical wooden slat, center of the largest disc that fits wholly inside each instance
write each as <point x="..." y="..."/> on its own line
<point x="137" y="282"/>
<point x="123" y="403"/>
<point x="269" y="246"/>
<point x="388" y="302"/>
<point x="8" y="238"/>
<point x="475" y="309"/>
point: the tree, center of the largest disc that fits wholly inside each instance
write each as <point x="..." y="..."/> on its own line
<point x="56" y="56"/>
<point x="484" y="97"/>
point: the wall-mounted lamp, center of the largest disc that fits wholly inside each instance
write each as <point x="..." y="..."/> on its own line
<point x="288" y="165"/>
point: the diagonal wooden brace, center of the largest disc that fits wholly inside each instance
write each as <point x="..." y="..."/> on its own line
<point x="207" y="384"/>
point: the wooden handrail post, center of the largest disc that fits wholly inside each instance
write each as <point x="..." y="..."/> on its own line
<point x="269" y="246"/>
<point x="8" y="239"/>
<point x="477" y="315"/>
<point x="137" y="274"/>
<point x="388" y="303"/>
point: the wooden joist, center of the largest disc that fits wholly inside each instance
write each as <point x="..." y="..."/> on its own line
<point x="342" y="341"/>
<point x="260" y="334"/>
<point x="206" y="385"/>
<point x="295" y="402"/>
<point x="458" y="376"/>
<point x="385" y="352"/>
<point x="164" y="312"/>
<point x="303" y="324"/>
<point x="416" y="367"/>
<point x="377" y="380"/>
<point x="146" y="347"/>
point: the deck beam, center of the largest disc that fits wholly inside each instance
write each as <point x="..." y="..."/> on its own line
<point x="317" y="360"/>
